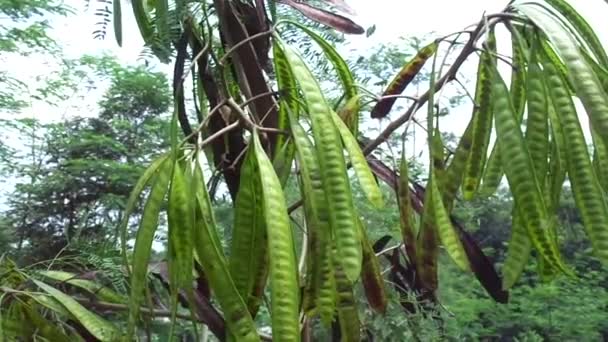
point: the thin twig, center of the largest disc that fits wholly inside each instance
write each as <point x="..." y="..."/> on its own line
<point x="258" y="96"/>
<point x="219" y="133"/>
<point x="243" y="42"/>
<point x="194" y="60"/>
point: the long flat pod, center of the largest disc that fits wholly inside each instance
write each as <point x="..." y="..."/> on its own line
<point x="364" y="173"/>
<point x="348" y="317"/>
<point x="519" y="250"/>
<point x="319" y="290"/>
<point x="586" y="84"/>
<point x="142" y="182"/>
<point x="493" y="172"/>
<point x="537" y="138"/>
<point x="283" y="269"/>
<point x="587" y="190"/>
<point x="343" y="71"/>
<point x="402" y="79"/>
<point x="454" y="172"/>
<point x="211" y="256"/>
<point x="482" y="119"/>
<point x="288" y="101"/>
<point x="516" y="162"/>
<point x="333" y="167"/>
<point x="447" y="235"/>
<point x="143" y="241"/>
<point x="406" y="212"/>
<point x="371" y="275"/>
<point x="248" y="248"/>
<point x="180" y="218"/>
<point x="427" y="247"/>
<point x="582" y="27"/>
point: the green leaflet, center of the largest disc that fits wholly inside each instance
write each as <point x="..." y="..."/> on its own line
<point x="44" y="328"/>
<point x="211" y="256"/>
<point x="117" y="12"/>
<point x="248" y="251"/>
<point x="143" y="241"/>
<point x="482" y="119"/>
<point x="97" y="326"/>
<point x="586" y="84"/>
<point x="364" y="173"/>
<point x="283" y="268"/>
<point x="516" y="162"/>
<point x="333" y="167"/>
<point x="102" y="292"/>
<point x="587" y="190"/>
<point x="162" y="20"/>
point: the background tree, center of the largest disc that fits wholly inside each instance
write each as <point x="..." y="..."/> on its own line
<point x="75" y="178"/>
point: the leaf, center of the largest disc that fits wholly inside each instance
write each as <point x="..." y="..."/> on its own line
<point x="143" y="21"/>
<point x="100" y="291"/>
<point x="100" y="328"/>
<point x="324" y="17"/>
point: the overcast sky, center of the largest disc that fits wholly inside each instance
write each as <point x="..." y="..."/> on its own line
<point x="393" y="19"/>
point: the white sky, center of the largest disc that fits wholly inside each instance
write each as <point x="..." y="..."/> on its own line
<point x="393" y="18"/>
